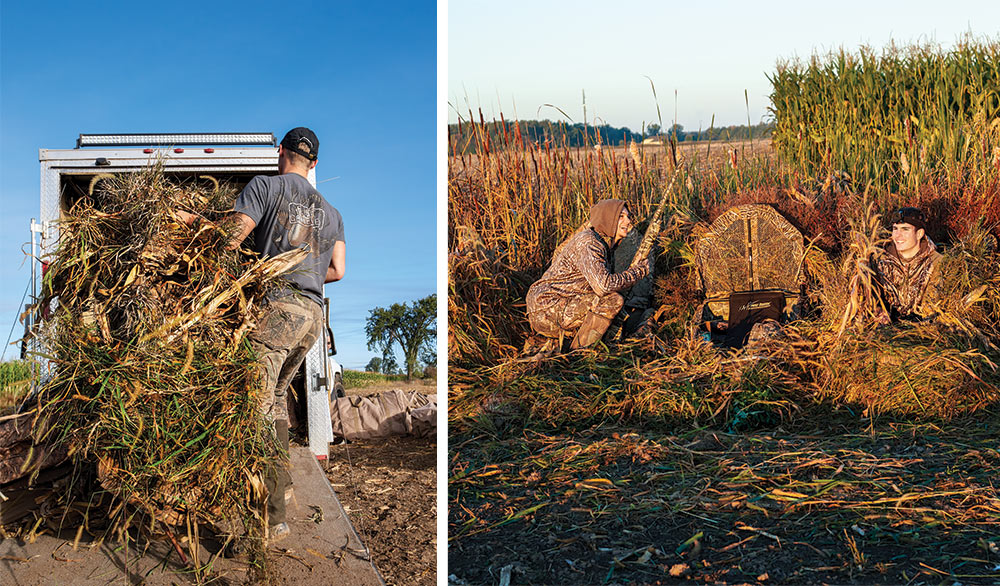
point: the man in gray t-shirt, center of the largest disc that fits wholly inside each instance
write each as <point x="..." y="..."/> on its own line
<point x="289" y="213"/>
<point x="285" y="212"/>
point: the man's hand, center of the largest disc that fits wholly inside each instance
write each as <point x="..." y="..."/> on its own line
<point x="656" y="250"/>
<point x="244" y="225"/>
<point x="186" y="218"/>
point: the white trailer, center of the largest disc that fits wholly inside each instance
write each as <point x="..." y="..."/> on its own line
<point x="234" y="157"/>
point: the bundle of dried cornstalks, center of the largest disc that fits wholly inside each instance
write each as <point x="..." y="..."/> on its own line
<point x="152" y="383"/>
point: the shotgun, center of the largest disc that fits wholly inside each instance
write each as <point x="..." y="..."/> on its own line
<point x="646" y="244"/>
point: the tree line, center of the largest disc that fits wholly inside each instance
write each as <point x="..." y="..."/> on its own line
<point x="462" y="136"/>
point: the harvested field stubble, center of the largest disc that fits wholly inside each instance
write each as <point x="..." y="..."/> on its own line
<point x="803" y="506"/>
<point x="843" y="451"/>
<point x="153" y="385"/>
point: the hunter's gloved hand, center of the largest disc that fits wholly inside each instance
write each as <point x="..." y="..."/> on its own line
<point x="656" y="250"/>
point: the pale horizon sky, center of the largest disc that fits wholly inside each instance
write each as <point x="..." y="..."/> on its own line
<point x="513" y="57"/>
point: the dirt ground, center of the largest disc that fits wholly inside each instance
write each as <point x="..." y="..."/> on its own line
<point x="897" y="504"/>
<point x="387" y="487"/>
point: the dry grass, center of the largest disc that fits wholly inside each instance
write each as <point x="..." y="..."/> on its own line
<point x="492" y="263"/>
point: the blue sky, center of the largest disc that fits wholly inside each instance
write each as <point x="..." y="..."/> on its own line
<point x="516" y="55"/>
<point x="361" y="76"/>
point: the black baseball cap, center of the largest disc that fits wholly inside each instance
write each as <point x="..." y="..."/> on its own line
<point x="911" y="216"/>
<point x="303" y="141"/>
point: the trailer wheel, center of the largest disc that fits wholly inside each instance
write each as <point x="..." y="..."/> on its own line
<point x="338" y="386"/>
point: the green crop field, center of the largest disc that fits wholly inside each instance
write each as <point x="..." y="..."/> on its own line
<point x="354" y="379"/>
<point x="15" y="379"/>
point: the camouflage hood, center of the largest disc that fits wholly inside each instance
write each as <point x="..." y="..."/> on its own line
<point x="604" y="217"/>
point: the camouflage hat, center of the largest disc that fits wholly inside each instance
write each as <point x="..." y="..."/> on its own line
<point x="911" y="216"/>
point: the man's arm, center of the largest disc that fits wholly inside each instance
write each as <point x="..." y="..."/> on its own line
<point x="338" y="262"/>
<point x="243" y="225"/>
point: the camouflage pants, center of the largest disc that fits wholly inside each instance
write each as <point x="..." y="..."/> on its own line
<point x="289" y="328"/>
<point x="564" y="316"/>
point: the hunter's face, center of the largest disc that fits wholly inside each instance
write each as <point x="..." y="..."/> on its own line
<point x="624" y="225"/>
<point x="906" y="238"/>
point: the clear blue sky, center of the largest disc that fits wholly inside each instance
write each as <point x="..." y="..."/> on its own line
<point x="516" y="55"/>
<point x="361" y="75"/>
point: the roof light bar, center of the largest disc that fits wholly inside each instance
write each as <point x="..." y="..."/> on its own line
<point x="178" y="139"/>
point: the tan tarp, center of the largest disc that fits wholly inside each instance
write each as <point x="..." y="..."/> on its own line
<point x="395" y="412"/>
<point x="15" y="446"/>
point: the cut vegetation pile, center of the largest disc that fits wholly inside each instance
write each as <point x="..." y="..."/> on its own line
<point x="151" y="382"/>
<point x="587" y="458"/>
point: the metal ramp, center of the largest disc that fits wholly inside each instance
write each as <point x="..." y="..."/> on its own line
<point x="326" y="551"/>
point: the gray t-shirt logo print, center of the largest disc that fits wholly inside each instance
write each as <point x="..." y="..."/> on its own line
<point x="303" y="219"/>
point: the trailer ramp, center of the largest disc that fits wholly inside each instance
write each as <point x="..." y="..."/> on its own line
<point x="323" y="549"/>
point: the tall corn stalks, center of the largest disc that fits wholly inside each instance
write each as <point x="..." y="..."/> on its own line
<point x="895" y="119"/>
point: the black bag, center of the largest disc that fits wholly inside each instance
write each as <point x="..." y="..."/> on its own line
<point x="749" y="307"/>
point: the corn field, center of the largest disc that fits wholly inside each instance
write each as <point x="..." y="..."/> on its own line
<point x="895" y="119"/>
<point x="15" y="377"/>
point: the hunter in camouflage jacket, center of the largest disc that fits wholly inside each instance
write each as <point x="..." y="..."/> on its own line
<point x="580" y="279"/>
<point x="909" y="288"/>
